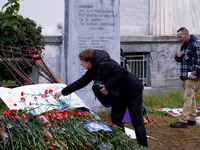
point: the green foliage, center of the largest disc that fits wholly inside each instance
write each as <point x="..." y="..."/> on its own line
<point x="12" y="8"/>
<point x="26" y="34"/>
<point x="8" y="82"/>
<point x="17" y="31"/>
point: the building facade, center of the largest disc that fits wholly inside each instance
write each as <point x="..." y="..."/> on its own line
<point x="148" y="36"/>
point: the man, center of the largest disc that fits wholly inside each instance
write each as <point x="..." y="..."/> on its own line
<point x="189" y="57"/>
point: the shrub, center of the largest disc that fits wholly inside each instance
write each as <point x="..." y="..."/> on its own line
<point x="26" y="34"/>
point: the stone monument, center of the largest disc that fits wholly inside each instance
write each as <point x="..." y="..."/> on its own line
<point x="89" y="24"/>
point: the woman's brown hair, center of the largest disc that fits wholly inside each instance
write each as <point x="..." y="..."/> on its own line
<point x="86" y="55"/>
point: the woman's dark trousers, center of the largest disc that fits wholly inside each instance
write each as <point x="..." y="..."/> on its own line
<point x="135" y="108"/>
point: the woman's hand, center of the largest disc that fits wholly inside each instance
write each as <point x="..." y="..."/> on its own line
<point x="103" y="90"/>
<point x="57" y="94"/>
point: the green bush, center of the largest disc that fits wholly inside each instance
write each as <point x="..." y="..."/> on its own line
<point x="9" y="82"/>
<point x="25" y="35"/>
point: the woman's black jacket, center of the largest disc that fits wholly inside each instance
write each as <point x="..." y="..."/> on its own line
<point x="110" y="73"/>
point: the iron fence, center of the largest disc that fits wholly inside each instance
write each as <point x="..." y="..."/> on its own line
<point x="139" y="66"/>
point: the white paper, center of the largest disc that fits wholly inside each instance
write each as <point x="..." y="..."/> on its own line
<point x="131" y="133"/>
<point x="12" y="98"/>
<point x="189" y="73"/>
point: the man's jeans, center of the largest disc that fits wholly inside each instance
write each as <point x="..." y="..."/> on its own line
<point x="189" y="108"/>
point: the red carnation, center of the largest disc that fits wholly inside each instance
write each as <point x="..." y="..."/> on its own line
<point x="26" y="119"/>
<point x="88" y="146"/>
<point x="46" y="138"/>
<point x="63" y="118"/>
<point x="56" y="111"/>
<point x="46" y="91"/>
<point x="35" y="56"/>
<point x="39" y="61"/>
<point x="6" y="114"/>
<point x="15" y="104"/>
<point x="111" y="124"/>
<point x="15" y="117"/>
<point x="23" y="99"/>
<point x="23" y="115"/>
<point x="50" y="91"/>
<point x="13" y="111"/>
<point x="44" y="95"/>
<point x="53" y="148"/>
<point x="30" y="51"/>
<point x="5" y="110"/>
<point x="46" y="123"/>
<point x="49" y="113"/>
<point x="51" y="127"/>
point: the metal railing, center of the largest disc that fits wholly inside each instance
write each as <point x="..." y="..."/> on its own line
<point x="139" y="66"/>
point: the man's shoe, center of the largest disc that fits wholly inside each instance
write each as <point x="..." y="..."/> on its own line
<point x="179" y="125"/>
<point x="191" y="123"/>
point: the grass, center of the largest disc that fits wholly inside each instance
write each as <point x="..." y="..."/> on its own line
<point x="159" y="100"/>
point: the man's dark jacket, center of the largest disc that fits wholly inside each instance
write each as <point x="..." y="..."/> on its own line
<point x="110" y="73"/>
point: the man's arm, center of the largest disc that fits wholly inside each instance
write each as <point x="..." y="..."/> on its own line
<point x="197" y="64"/>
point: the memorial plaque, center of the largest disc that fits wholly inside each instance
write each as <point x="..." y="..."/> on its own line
<point x="90" y="24"/>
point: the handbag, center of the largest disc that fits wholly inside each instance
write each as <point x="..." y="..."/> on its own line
<point x="106" y="100"/>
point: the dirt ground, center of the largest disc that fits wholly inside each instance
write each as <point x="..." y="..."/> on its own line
<point x="173" y="139"/>
<point x="167" y="138"/>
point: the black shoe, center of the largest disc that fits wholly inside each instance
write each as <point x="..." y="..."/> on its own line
<point x="191" y="123"/>
<point x="179" y="125"/>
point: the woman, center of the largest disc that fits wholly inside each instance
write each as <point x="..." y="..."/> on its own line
<point x="101" y="67"/>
